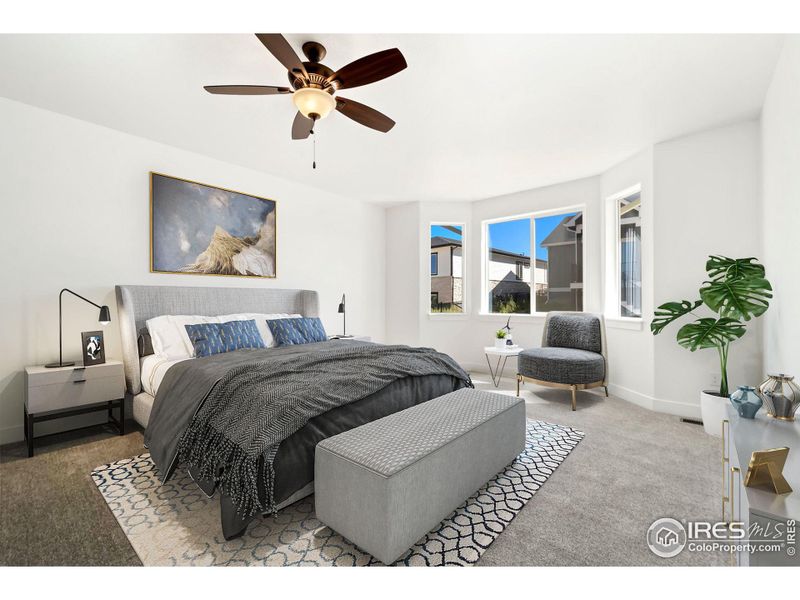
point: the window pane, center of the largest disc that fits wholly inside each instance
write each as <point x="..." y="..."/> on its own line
<point x="558" y="276"/>
<point x="447" y="269"/>
<point x="509" y="268"/>
<point x="630" y="256"/>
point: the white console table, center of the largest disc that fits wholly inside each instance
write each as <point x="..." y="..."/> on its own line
<point x="758" y="508"/>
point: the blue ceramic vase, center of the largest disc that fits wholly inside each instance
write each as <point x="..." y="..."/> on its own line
<point x="746" y="401"/>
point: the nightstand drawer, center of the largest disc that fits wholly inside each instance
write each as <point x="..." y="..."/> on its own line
<point x="39" y="376"/>
<point x="74" y="392"/>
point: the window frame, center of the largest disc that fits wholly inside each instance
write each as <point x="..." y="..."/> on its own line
<point x="613" y="293"/>
<point x="434" y="273"/>
<point x="464" y="289"/>
<point x="485" y="257"/>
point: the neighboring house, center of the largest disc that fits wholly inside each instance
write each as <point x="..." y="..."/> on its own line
<point x="509" y="273"/>
<point x="510" y="278"/>
<point x="565" y="265"/>
<point x="447" y="272"/>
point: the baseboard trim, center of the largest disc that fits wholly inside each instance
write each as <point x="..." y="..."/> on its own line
<point x="11" y="435"/>
<point x="679" y="409"/>
<point x="477" y="367"/>
<point x="670" y="407"/>
<point x="632" y="396"/>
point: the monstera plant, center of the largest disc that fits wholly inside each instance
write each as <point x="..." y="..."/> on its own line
<point x="736" y="291"/>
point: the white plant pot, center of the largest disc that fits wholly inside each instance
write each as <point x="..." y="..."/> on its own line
<point x="499" y="343"/>
<point x="712" y="409"/>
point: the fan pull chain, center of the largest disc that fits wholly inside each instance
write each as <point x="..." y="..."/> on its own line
<point x="314" y="161"/>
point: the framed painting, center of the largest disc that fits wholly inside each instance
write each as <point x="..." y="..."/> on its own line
<point x="205" y="230"/>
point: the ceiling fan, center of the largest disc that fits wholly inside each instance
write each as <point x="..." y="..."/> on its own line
<point x="314" y="85"/>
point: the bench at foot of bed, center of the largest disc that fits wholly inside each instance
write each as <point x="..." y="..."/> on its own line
<point x="386" y="484"/>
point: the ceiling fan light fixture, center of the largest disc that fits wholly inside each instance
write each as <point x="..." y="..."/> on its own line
<point x="313" y="101"/>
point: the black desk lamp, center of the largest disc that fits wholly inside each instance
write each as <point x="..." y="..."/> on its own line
<point x="343" y="311"/>
<point x="104" y="318"/>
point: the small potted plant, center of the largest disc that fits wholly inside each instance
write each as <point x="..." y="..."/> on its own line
<point x="500" y="338"/>
<point x="736" y="290"/>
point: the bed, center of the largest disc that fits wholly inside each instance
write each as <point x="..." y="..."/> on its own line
<point x="179" y="396"/>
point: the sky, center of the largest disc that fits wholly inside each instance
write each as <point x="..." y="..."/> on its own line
<point x="514" y="236"/>
<point x="439" y="230"/>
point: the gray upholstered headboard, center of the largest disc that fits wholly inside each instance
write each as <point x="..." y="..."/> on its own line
<point x="138" y="303"/>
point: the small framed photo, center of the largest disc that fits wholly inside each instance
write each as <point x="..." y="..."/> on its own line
<point x="94" y="350"/>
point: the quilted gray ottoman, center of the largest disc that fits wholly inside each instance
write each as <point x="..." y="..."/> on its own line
<point x="386" y="484"/>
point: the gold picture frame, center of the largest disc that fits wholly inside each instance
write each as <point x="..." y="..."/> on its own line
<point x="765" y="470"/>
<point x="263" y="251"/>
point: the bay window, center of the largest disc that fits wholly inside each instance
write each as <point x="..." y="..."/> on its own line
<point x="629" y="255"/>
<point x="534" y="263"/>
<point x="447" y="268"/>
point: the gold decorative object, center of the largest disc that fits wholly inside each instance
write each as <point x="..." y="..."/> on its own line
<point x="766" y="470"/>
<point x="725" y="462"/>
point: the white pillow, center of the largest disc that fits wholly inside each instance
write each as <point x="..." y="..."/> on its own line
<point x="261" y="323"/>
<point x="169" y="336"/>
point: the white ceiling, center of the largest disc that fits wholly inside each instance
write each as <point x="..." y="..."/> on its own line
<point x="477" y="115"/>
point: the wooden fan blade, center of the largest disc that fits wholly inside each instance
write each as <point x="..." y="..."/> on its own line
<point x="369" y="69"/>
<point x="361" y="113"/>
<point x="280" y="49"/>
<point x="247" y="90"/>
<point x="302" y="126"/>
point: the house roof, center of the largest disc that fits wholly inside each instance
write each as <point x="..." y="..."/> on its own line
<point x="439" y="241"/>
<point x="564" y="232"/>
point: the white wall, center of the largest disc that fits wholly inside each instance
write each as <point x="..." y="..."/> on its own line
<point x="707" y="201"/>
<point x="75" y="214"/>
<point x="700" y="196"/>
<point x="404" y="273"/>
<point x="780" y="139"/>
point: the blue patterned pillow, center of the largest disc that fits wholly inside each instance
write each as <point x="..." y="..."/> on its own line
<point x="216" y="338"/>
<point x="297" y="331"/>
<point x="241" y="334"/>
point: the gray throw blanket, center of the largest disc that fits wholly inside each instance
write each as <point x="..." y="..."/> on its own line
<point x="234" y="437"/>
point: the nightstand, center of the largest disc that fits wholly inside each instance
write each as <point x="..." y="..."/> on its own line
<point x="357" y="338"/>
<point x="67" y="391"/>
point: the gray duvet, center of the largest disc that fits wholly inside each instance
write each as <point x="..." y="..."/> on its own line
<point x="187" y="387"/>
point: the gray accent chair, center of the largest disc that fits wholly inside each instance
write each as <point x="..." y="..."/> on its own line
<point x="573" y="354"/>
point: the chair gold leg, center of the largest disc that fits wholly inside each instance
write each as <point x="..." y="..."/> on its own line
<point x="574" y="403"/>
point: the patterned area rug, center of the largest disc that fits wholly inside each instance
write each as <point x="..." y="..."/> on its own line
<point x="175" y="524"/>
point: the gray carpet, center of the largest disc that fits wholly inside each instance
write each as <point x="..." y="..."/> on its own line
<point x="632" y="467"/>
